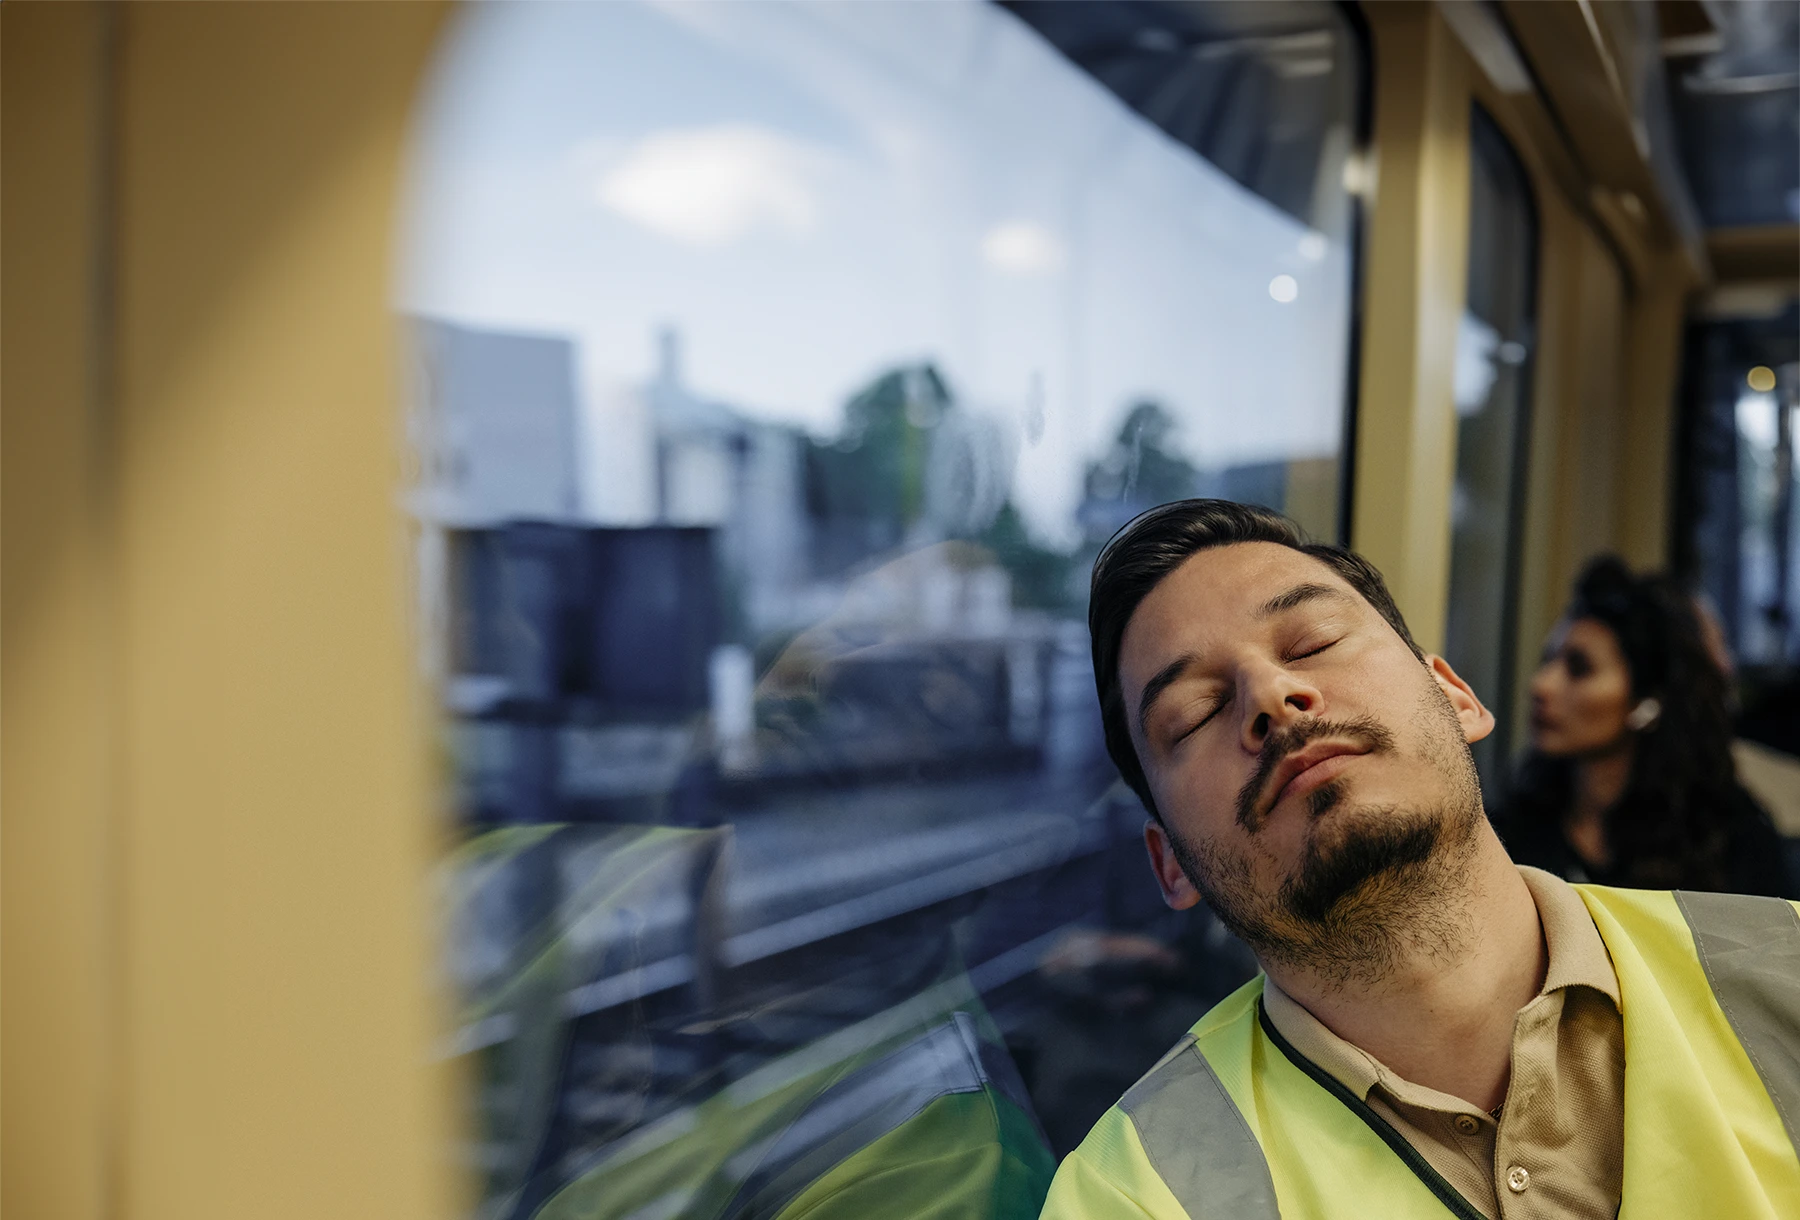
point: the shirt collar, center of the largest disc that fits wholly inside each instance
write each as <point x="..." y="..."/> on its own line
<point x="1349" y="1064"/>
<point x="1576" y="957"/>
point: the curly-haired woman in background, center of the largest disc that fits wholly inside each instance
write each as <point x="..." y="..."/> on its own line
<point x="1630" y="779"/>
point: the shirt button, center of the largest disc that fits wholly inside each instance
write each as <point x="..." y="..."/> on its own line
<point x="1466" y="1124"/>
<point x="1517" y="1179"/>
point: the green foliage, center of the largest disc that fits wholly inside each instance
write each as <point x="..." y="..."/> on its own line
<point x="1041" y="577"/>
<point x="1143" y="467"/>
<point x="875" y="469"/>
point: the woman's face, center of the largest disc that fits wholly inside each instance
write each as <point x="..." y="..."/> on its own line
<point x="1581" y="694"/>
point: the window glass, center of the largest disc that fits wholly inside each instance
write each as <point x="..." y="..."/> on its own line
<point x="1492" y="391"/>
<point x="1739" y="541"/>
<point x="781" y="368"/>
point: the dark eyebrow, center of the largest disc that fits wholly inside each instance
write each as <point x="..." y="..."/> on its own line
<point x="1165" y="677"/>
<point x="1299" y="595"/>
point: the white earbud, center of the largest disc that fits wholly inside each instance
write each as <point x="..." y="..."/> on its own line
<point x="1644" y="715"/>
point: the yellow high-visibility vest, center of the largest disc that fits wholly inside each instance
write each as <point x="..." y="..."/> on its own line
<point x="1233" y="1124"/>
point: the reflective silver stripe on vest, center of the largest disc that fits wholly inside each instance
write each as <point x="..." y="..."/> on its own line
<point x="1198" y="1141"/>
<point x="1750" y="949"/>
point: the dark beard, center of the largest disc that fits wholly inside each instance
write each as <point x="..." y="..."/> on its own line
<point x="1390" y="843"/>
<point x="1373" y="885"/>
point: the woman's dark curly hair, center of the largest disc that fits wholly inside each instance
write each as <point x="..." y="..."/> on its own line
<point x="1670" y="828"/>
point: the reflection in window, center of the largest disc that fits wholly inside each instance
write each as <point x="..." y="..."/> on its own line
<point x="1740" y="542"/>
<point x="1765" y="466"/>
<point x="781" y="370"/>
<point x="1491" y="387"/>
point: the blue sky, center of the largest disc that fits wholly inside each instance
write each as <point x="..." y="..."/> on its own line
<point x="813" y="193"/>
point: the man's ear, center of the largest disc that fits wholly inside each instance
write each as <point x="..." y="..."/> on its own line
<point x="1177" y="890"/>
<point x="1477" y="721"/>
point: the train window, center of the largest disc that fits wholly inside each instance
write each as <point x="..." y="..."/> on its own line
<point x="1740" y="542"/>
<point x="781" y="368"/>
<point x="1492" y="391"/>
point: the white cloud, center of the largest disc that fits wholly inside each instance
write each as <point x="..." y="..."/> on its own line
<point x="709" y="186"/>
<point x="1022" y="246"/>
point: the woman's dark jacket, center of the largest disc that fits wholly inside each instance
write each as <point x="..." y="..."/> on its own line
<point x="1755" y="857"/>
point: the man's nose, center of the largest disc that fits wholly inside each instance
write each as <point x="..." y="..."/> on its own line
<point x="1278" y="698"/>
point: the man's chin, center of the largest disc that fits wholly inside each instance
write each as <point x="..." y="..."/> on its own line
<point x="1351" y="850"/>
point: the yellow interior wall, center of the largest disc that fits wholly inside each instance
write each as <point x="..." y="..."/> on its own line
<point x="1415" y="275"/>
<point x="1645" y="487"/>
<point x="1605" y="367"/>
<point x="54" y="710"/>
<point x="1573" y="447"/>
<point x="1600" y="462"/>
<point x="1600" y="446"/>
<point x="218" y="976"/>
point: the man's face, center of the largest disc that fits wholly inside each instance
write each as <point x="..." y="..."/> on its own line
<point x="1313" y="776"/>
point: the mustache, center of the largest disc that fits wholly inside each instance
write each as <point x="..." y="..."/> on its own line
<point x="1365" y="731"/>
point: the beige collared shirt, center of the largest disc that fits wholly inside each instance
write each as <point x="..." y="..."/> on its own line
<point x="1559" y="1145"/>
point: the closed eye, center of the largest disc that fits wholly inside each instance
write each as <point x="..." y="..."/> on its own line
<point x="1202" y="722"/>
<point x="1310" y="652"/>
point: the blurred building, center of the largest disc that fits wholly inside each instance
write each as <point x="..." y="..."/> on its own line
<point x="718" y="467"/>
<point x="494" y="426"/>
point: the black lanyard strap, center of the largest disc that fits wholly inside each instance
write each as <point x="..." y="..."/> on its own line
<point x="1434" y="1181"/>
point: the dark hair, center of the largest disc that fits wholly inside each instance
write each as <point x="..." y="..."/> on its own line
<point x="1670" y="827"/>
<point x="1155" y="543"/>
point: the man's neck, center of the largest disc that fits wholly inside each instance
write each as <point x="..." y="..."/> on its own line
<point x="1447" y="1025"/>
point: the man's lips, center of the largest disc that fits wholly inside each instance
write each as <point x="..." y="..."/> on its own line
<point x="1309" y="768"/>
